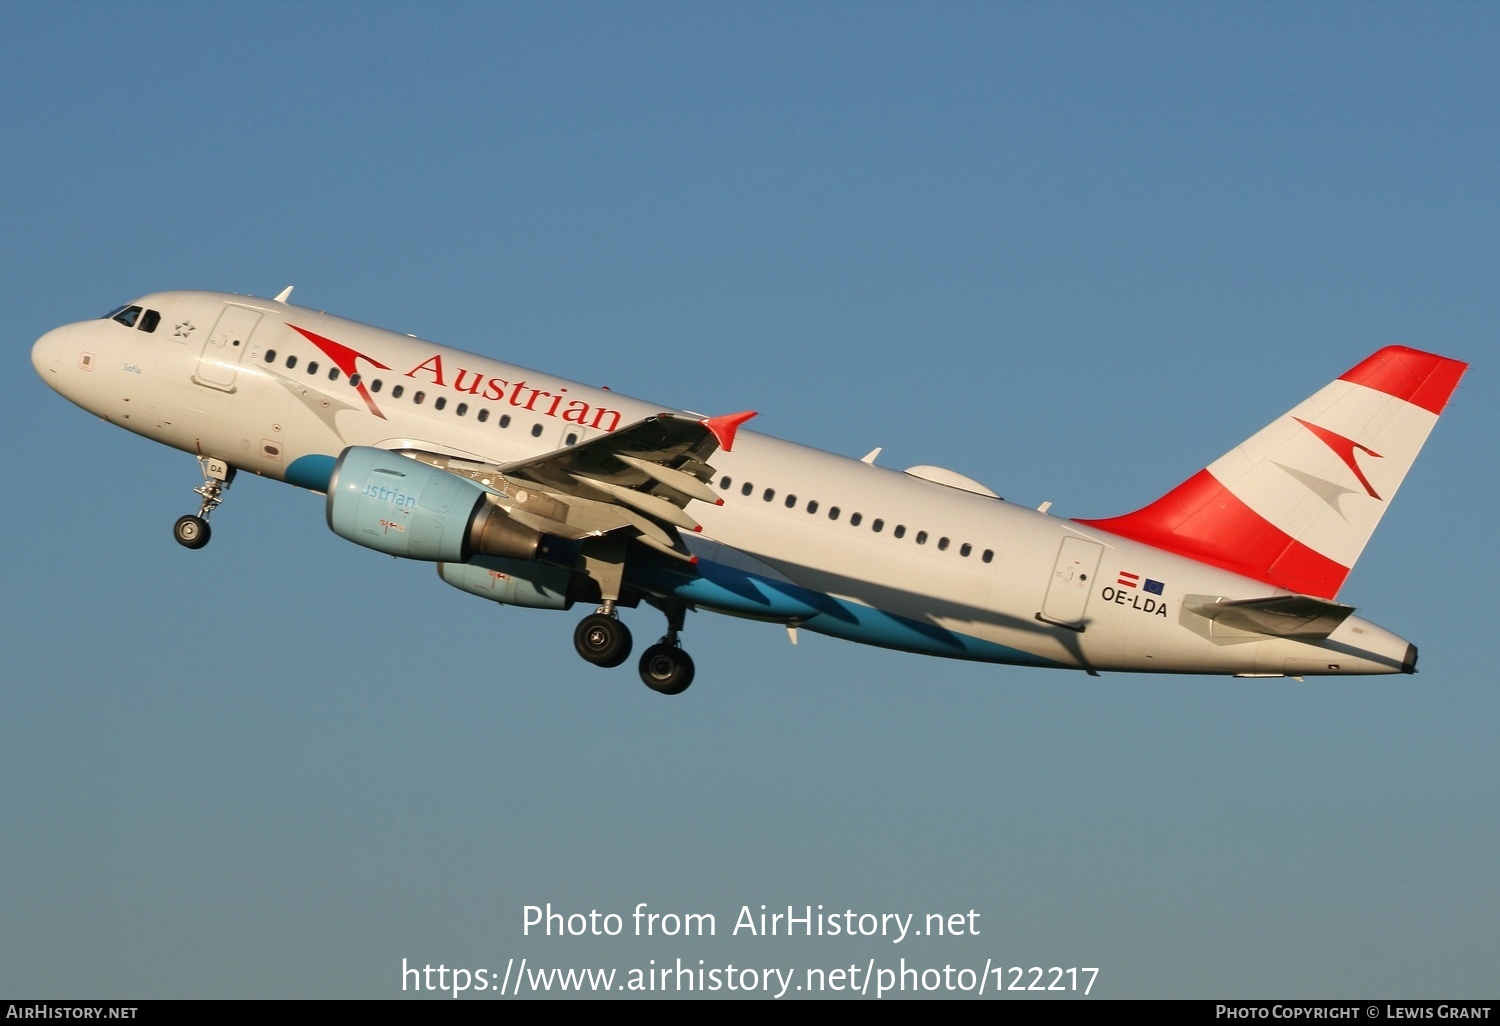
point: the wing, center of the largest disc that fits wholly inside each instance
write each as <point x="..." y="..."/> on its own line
<point x="637" y="480"/>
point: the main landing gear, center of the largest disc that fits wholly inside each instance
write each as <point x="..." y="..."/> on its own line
<point x="604" y="641"/>
<point x="191" y="531"/>
<point x="666" y="668"/>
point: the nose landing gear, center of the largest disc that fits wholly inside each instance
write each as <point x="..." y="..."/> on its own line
<point x="192" y="532"/>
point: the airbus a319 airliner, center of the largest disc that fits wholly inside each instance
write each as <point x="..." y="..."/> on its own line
<point x="532" y="490"/>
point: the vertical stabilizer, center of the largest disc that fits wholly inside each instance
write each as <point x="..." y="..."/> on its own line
<point x="1295" y="504"/>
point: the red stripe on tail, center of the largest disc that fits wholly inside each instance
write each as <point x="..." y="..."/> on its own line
<point x="1203" y="520"/>
<point x="1419" y="378"/>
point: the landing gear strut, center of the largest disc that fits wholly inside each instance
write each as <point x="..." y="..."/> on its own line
<point x="665" y="667"/>
<point x="191" y="531"/>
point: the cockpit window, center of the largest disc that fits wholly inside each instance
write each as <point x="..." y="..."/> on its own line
<point x="126" y="315"/>
<point x="150" y="321"/>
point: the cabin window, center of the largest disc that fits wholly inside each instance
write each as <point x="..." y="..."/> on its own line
<point x="791" y="501"/>
<point x="418" y="396"/>
<point x="354" y="380"/>
<point x="504" y="420"/>
<point x="536" y="431"/>
<point x="724" y="483"/>
<point x="921" y="537"/>
<point x="965" y="549"/>
<point x="375" y="385"/>
<point x="270" y="356"/>
<point x="878" y="525"/>
<point x="572" y="438"/>
<point x="312" y="367"/>
<point x="769" y="494"/>
<point x="812" y="505"/>
<point x="483" y="415"/>
<point x="461" y="409"/>
<point x="900" y="531"/>
<point x="855" y="518"/>
<point x="833" y="512"/>
<point x="440" y="402"/>
<point x="396" y="391"/>
<point x="746" y="488"/>
<point x="989" y="554"/>
<point x="291" y="361"/>
<point x="333" y="373"/>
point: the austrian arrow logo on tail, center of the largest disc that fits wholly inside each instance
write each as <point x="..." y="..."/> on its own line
<point x="343" y="358"/>
<point x="1344" y="449"/>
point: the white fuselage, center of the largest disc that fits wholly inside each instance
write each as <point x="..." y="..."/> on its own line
<point x="892" y="559"/>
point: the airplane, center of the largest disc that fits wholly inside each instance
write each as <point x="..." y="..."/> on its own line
<point x="532" y="490"/>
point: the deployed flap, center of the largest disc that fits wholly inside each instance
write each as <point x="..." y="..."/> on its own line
<point x="1279" y="616"/>
<point x="674" y="445"/>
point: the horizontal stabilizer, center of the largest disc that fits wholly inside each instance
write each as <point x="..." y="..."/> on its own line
<point x="1280" y="616"/>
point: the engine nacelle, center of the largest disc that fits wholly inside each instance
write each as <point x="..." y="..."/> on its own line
<point x="512" y="582"/>
<point x="403" y="507"/>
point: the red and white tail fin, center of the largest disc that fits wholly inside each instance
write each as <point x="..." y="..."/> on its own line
<point x="1295" y="504"/>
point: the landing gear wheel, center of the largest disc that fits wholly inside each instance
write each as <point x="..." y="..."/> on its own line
<point x="602" y="640"/>
<point x="191" y="532"/>
<point x="666" y="669"/>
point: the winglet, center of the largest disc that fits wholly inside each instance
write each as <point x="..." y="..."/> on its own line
<point x="725" y="426"/>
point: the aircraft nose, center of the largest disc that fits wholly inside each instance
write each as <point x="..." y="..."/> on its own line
<point x="47" y="354"/>
<point x="44" y="354"/>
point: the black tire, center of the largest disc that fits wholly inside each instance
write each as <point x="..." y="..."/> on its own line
<point x="602" y="640"/>
<point x="666" y="669"/>
<point x="191" y="532"/>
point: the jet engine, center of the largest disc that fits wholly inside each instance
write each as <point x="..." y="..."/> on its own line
<point x="512" y="582"/>
<point x="399" y="506"/>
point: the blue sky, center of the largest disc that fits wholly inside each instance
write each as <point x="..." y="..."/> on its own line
<point x="1075" y="251"/>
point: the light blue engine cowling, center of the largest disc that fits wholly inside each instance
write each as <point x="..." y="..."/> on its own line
<point x="402" y="507"/>
<point x="511" y="582"/>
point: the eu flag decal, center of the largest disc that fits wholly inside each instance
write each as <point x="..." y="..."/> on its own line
<point x="1154" y="587"/>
